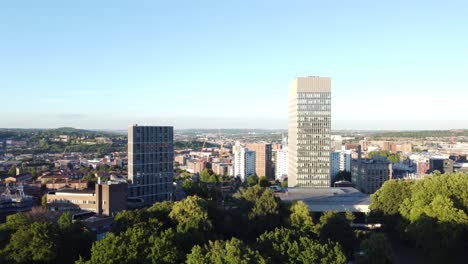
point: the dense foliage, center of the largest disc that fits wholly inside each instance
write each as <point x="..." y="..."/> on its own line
<point x="256" y="228"/>
<point x="431" y="214"/>
<point x="195" y="230"/>
<point x="39" y="237"/>
<point x="376" y="249"/>
<point x="394" y="158"/>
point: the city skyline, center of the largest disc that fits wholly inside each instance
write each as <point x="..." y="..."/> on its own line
<point x="108" y="67"/>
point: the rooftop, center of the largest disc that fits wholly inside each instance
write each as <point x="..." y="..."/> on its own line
<point x="73" y="191"/>
<point x="344" y="199"/>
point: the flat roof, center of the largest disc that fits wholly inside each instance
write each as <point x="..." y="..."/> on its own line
<point x="73" y="192"/>
<point x="340" y="199"/>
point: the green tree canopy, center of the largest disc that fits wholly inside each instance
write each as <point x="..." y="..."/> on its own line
<point x="376" y="249"/>
<point x="284" y="184"/>
<point x="263" y="181"/>
<point x="34" y="243"/>
<point x="437" y="213"/>
<point x="300" y="218"/>
<point x="337" y="227"/>
<point x="126" y="219"/>
<point x="233" y="251"/>
<point x="65" y="221"/>
<point x="161" y="211"/>
<point x="252" y="180"/>
<point x="390" y="196"/>
<point x="191" y="214"/>
<point x="394" y="158"/>
<point x="287" y="246"/>
<point x="12" y="170"/>
<point x="259" y="208"/>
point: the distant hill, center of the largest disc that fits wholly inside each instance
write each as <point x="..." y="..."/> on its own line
<point x="16" y="133"/>
<point x="422" y="134"/>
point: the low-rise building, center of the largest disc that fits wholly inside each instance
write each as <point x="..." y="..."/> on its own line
<point x="441" y="165"/>
<point x="105" y="199"/>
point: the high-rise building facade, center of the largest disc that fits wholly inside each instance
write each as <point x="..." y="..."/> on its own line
<point x="263" y="159"/>
<point x="244" y="162"/>
<point x="150" y="162"/>
<point x="282" y="161"/>
<point x="340" y="161"/>
<point x="309" y="130"/>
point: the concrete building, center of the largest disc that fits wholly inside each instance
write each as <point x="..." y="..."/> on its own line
<point x="401" y="147"/>
<point x="105" y="199"/>
<point x="423" y="168"/>
<point x="244" y="162"/>
<point x="309" y="128"/>
<point x="263" y="159"/>
<point x="368" y="175"/>
<point x="150" y="162"/>
<point x="442" y="165"/>
<point x="220" y="168"/>
<point x="282" y="161"/>
<point x="181" y="160"/>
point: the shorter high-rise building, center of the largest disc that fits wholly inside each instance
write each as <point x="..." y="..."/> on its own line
<point x="282" y="161"/>
<point x="244" y="162"/>
<point x="263" y="159"/>
<point x="368" y="175"/>
<point x="340" y="161"/>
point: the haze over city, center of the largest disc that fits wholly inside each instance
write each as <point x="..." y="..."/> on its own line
<point x="105" y="65"/>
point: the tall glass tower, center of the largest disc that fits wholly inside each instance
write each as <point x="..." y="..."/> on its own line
<point x="150" y="162"/>
<point x="309" y="132"/>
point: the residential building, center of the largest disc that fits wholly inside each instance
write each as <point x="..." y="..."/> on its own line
<point x="244" y="162"/>
<point x="309" y="128"/>
<point x="340" y="161"/>
<point x="181" y="160"/>
<point x="105" y="199"/>
<point x="221" y="168"/>
<point x="263" y="159"/>
<point x="282" y="161"/>
<point x="150" y="162"/>
<point x="334" y="164"/>
<point x="401" y="147"/>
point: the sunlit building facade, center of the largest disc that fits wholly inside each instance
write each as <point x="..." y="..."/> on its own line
<point x="309" y="132"/>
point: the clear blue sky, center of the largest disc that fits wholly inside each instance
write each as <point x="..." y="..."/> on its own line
<point x="223" y="64"/>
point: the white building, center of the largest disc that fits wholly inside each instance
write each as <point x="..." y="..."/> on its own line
<point x="340" y="161"/>
<point x="282" y="161"/>
<point x="244" y="162"/>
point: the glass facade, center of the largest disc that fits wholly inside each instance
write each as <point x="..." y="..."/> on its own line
<point x="150" y="162"/>
<point x="309" y="134"/>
